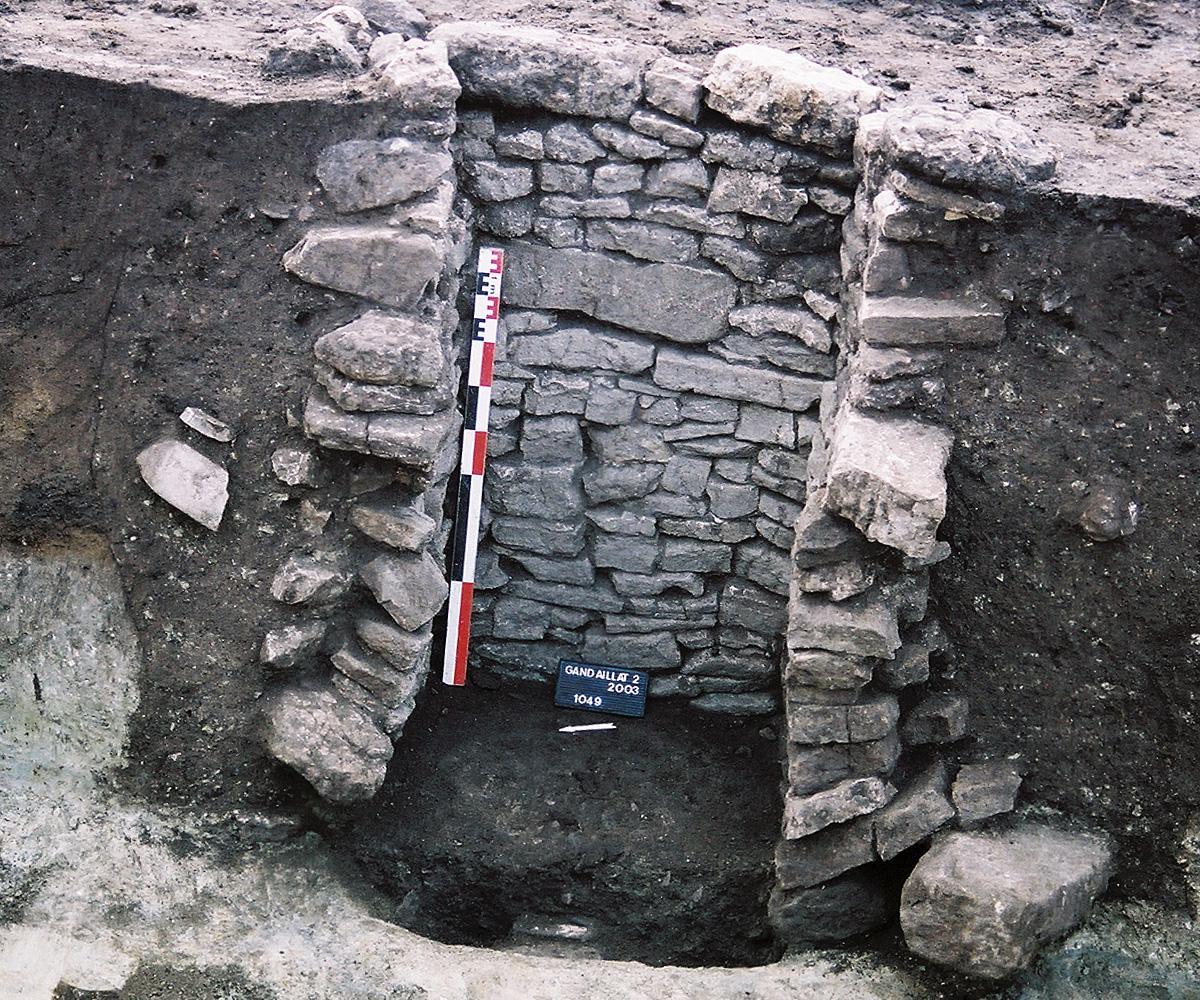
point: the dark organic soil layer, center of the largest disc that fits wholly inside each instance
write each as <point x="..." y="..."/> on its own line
<point x="657" y="836"/>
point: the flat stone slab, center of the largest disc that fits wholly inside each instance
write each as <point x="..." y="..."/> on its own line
<point x="410" y="588"/>
<point x="806" y="814"/>
<point x="189" y="482"/>
<point x="385" y="350"/>
<point x="713" y="376"/>
<point x="542" y="68"/>
<point x="793" y="98"/>
<point x="365" y="173"/>
<point x="896" y="320"/>
<point x="384" y="265"/>
<point x="681" y="302"/>
<point x="985" y="903"/>
<point x="330" y="742"/>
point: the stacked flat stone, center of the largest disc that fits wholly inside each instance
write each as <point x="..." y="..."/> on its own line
<point x="671" y="272"/>
<point x="385" y="398"/>
<point x="865" y="781"/>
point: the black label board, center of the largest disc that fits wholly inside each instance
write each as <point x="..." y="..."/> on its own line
<point x="597" y="688"/>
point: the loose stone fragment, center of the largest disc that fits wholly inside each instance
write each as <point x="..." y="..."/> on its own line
<point x="397" y="17"/>
<point x="921" y="809"/>
<point x="540" y="68"/>
<point x="938" y="718"/>
<point x="674" y="87"/>
<point x="398" y="525"/>
<point x="830" y="913"/>
<point x="206" y="424"/>
<point x="911" y="666"/>
<point x="413" y="75"/>
<point x="1104" y="510"/>
<point x="288" y="645"/>
<point x="953" y="204"/>
<point x="886" y="476"/>
<point x="332" y="42"/>
<point x="680" y="302"/>
<point x="379" y="263"/>
<point x="189" y="482"/>
<point x="794" y="99"/>
<point x="332" y="743"/>
<point x="805" y="815"/>
<point x="410" y="588"/>
<point x="764" y="195"/>
<point x="386" y="350"/>
<point x="362" y="174"/>
<point x="984" y="904"/>
<point x="982" y="791"/>
<point x="296" y="466"/>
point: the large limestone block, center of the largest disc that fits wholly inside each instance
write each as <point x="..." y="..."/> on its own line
<point x="713" y="376"/>
<point x="681" y="302"/>
<point x="806" y="814"/>
<point x="861" y="626"/>
<point x="973" y="149"/>
<point x="791" y="97"/>
<point x="540" y="68"/>
<point x="364" y="173"/>
<point x="375" y="262"/>
<point x="410" y="588"/>
<point x="892" y="320"/>
<point x="985" y="903"/>
<point x="332" y="743"/>
<point x="385" y="350"/>
<point x="187" y="480"/>
<point x="414" y="75"/>
<point x="887" y="476"/>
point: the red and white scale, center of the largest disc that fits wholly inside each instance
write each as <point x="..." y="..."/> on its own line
<point x="488" y="274"/>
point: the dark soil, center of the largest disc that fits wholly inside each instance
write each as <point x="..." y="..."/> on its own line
<point x="657" y="836"/>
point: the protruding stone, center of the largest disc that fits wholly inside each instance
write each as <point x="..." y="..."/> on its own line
<point x="792" y="98"/>
<point x="822" y="538"/>
<point x="681" y="302"/>
<point x="393" y="686"/>
<point x="401" y="526"/>
<point x="385" y="350"/>
<point x="378" y="263"/>
<point x="410" y="588"/>
<point x="334" y="41"/>
<point x="982" y="791"/>
<point x="938" y="718"/>
<point x="887" y="476"/>
<point x="413" y="75"/>
<point x="800" y="864"/>
<point x="674" y="87"/>
<point x="189" y="482"/>
<point x="889" y="320"/>
<point x="527" y="67"/>
<point x="861" y="626"/>
<point x="208" y="425"/>
<point x="764" y="195"/>
<point x="404" y="650"/>
<point x="305" y="579"/>
<point x="364" y="173"/>
<point x="804" y="815"/>
<point x="290" y="644"/>
<point x="984" y="904"/>
<point x="332" y="743"/>
<point x="921" y="809"/>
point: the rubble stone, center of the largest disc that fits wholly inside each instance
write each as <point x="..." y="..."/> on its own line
<point x="304" y="579"/>
<point x="413" y="75"/>
<point x="290" y="644"/>
<point x="805" y="815"/>
<point x="378" y="263"/>
<point x="981" y="791"/>
<point x="674" y="87"/>
<point x="841" y="908"/>
<point x="410" y="588"/>
<point x="361" y="174"/>
<point x="920" y="810"/>
<point x="937" y="718"/>
<point x="187" y="480"/>
<point x="386" y="350"/>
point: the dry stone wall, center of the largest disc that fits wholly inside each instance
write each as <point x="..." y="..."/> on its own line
<point x="670" y="289"/>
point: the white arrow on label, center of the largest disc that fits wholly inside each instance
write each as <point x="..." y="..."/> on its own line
<point x="588" y="729"/>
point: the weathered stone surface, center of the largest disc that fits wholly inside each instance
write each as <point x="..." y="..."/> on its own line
<point x="761" y="562"/>
<point x="805" y="815"/>
<point x="678" y="179"/>
<point x="413" y="75"/>
<point x="568" y="178"/>
<point x="507" y="219"/>
<point x="792" y="98"/>
<point x="394" y="17"/>
<point x="812" y="768"/>
<point x="985" y="903"/>
<point x="631" y="145"/>
<point x="565" y="206"/>
<point x="749" y="605"/>
<point x="557" y="392"/>
<point x="903" y="320"/>
<point x="952" y="204"/>
<point x="976" y="149"/>
<point x="861" y="626"/>
<point x="582" y="348"/>
<point x="401" y="526"/>
<point x="652" y="651"/>
<point x="403" y="649"/>
<point x="733" y="703"/>
<point x="693" y="217"/>
<point x="410" y="588"/>
<point x="334" y="41"/>
<point x="842" y="908"/>
<point x="378" y="263"/>
<point x="737" y="258"/>
<point x="623" y="482"/>
<point x="362" y="174"/>
<point x="665" y="128"/>
<point x="644" y="240"/>
<point x="937" y="718"/>
<point x="329" y="741"/>
<point x="493" y="181"/>
<point x="189" y="482"/>
<point x="728" y="532"/>
<point x="800" y="864"/>
<point x="887" y="476"/>
<point x="537" y="535"/>
<point x="921" y="809"/>
<point x="674" y="87"/>
<point x="822" y="669"/>
<point x="765" y="195"/>
<point x="795" y="321"/>
<point x="618" y="178"/>
<point x="677" y="301"/>
<point x="208" y="425"/>
<point x="540" y="68"/>
<point x="364" y="397"/>
<point x="524" y="144"/>
<point x="911" y="666"/>
<point x="550" y="491"/>
<point x="751" y="150"/>
<point x="391" y="685"/>
<point x="304" y="579"/>
<point x="981" y="791"/>
<point x="839" y="580"/>
<point x="822" y="538"/>
<point x="739" y="666"/>
<point x="571" y="143"/>
<point x="286" y="646"/>
<point x="676" y="369"/>
<point x="863" y="722"/>
<point x="624" y="445"/>
<point x="386" y="350"/>
<point x="417" y="442"/>
<point x="296" y="466"/>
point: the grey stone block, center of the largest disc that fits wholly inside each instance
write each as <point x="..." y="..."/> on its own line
<point x="674" y="87"/>
<point x="985" y="903"/>
<point x="981" y="791"/>
<point x="692" y="217"/>
<point x="676" y="369"/>
<point x="569" y="142"/>
<point x="749" y="605"/>
<point x="665" y="128"/>
<point x="310" y="579"/>
<point x="539" y="68"/>
<point x="378" y="263"/>
<point x="804" y="815"/>
<point x="414" y="76"/>
<point x="647" y="585"/>
<point x="910" y="666"/>
<point x="534" y="491"/>
<point x="920" y="810"/>
<point x="618" y="521"/>
<point x="693" y="555"/>
<point x="687" y="476"/>
<point x="810" y="231"/>
<point x="709" y="530"/>
<point x="822" y="669"/>
<point x="904" y="321"/>
<point x="754" y="193"/>
<point x="410" y="588"/>
<point x="297" y="466"/>
<point x="643" y="240"/>
<point x="403" y="649"/>
<point x="745" y="150"/>
<point x="609" y="405"/>
<point x="740" y="666"/>
<point x="680" y="302"/>
<point x="288" y="645"/>
<point x="631" y="553"/>
<point x="365" y="397"/>
<point x="631" y="145"/>
<point x="736" y="257"/>
<point x="399" y="525"/>
<point x="582" y="348"/>
<point x="386" y="350"/>
<point x="937" y="718"/>
<point x="678" y="179"/>
<point x="841" y="908"/>
<point x="731" y="500"/>
<point x="653" y="651"/>
<point x="557" y="569"/>
<point x="506" y="219"/>
<point x="568" y="207"/>
<point x="860" y="626"/>
<point x="800" y="864"/>
<point x="568" y="178"/>
<point x="362" y="174"/>
<point x="621" y="482"/>
<point x="748" y="703"/>
<point x="766" y="426"/>
<point x="523" y="144"/>
<point x="558" y="232"/>
<point x="493" y="181"/>
<point x="618" y="178"/>
<point x="556" y="392"/>
<point x="552" y="440"/>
